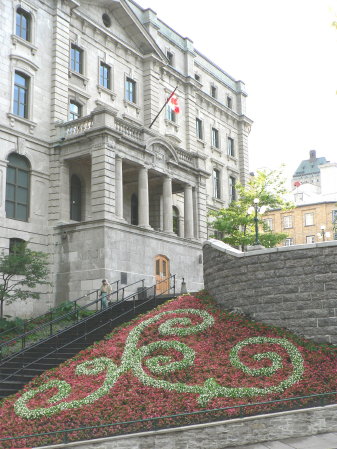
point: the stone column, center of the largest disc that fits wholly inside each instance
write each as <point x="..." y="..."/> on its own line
<point x="188" y="212"/>
<point x="167" y="205"/>
<point x="119" y="187"/>
<point x="143" y="198"/>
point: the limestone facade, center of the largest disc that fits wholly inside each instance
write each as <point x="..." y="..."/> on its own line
<point x="83" y="174"/>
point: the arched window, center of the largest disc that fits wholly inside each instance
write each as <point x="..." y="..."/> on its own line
<point x="17" y="187"/>
<point x="134" y="209"/>
<point x="75" y="198"/>
<point x="75" y="110"/>
<point x="175" y="213"/>
<point x="23" y="24"/>
<point x="16" y="245"/>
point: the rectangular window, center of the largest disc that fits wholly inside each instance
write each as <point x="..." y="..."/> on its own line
<point x="105" y="75"/>
<point x="232" y="189"/>
<point x="169" y="56"/>
<point x="334" y="216"/>
<point x="76" y="59"/>
<point x="229" y="102"/>
<point x="268" y="224"/>
<point x="288" y="221"/>
<point x="75" y="110"/>
<point x="197" y="77"/>
<point x="198" y="128"/>
<point x="230" y="147"/>
<point x="309" y="219"/>
<point x="215" y="138"/>
<point x="310" y="239"/>
<point x="170" y="114"/>
<point x="289" y="241"/>
<point x="130" y="90"/>
<point x="216" y="183"/>
<point x="213" y="91"/>
<point x="21" y="86"/>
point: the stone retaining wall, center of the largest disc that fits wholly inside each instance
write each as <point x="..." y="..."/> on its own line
<point x="220" y="435"/>
<point x="293" y="287"/>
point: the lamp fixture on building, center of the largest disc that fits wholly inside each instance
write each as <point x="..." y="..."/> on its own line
<point x="256" y="209"/>
<point x="323" y="234"/>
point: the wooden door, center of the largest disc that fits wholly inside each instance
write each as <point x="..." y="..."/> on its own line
<point x="162" y="271"/>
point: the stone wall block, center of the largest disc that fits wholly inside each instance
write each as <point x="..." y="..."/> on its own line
<point x="293" y="288"/>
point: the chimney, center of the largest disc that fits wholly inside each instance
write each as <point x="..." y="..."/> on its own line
<point x="312" y="155"/>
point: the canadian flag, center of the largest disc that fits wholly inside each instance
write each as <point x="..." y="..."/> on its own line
<point x="173" y="103"/>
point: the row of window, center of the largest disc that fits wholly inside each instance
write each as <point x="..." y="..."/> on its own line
<point x="217" y="186"/>
<point x="308" y="239"/>
<point x="23" y="30"/>
<point x="215" y="137"/>
<point x="308" y="220"/>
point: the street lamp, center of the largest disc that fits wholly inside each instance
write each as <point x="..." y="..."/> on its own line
<point x="256" y="209"/>
<point x="323" y="233"/>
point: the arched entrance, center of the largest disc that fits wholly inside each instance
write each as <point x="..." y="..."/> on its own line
<point x="162" y="272"/>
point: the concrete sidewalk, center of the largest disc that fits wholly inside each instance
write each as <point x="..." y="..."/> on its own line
<point x="323" y="441"/>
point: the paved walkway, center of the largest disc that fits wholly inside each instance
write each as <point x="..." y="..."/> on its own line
<point x="323" y="441"/>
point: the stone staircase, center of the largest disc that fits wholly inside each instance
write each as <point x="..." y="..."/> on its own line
<point x="19" y="368"/>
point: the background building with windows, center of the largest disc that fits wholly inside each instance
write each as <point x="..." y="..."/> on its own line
<point x="314" y="195"/>
<point x="84" y="174"/>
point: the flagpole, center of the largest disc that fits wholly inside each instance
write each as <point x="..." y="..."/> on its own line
<point x="169" y="98"/>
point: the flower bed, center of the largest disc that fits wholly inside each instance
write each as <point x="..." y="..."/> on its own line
<point x="184" y="356"/>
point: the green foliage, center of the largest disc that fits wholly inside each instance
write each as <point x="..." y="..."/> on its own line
<point x="21" y="271"/>
<point x="237" y="225"/>
<point x="6" y="325"/>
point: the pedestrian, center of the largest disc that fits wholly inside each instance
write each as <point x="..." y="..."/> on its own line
<point x="105" y="291"/>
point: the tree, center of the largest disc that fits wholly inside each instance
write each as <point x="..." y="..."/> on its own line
<point x="20" y="271"/>
<point x="237" y="225"/>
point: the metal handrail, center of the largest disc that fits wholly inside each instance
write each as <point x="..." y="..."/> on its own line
<point x="86" y="333"/>
<point x="54" y="310"/>
<point x="23" y="336"/>
<point x="154" y="419"/>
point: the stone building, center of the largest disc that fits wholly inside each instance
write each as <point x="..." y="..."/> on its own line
<point x="314" y="194"/>
<point x="83" y="174"/>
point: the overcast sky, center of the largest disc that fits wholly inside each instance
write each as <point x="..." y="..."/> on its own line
<point x="286" y="53"/>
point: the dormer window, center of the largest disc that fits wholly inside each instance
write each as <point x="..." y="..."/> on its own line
<point x="23" y="24"/>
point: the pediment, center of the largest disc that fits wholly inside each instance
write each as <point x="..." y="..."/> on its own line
<point x="162" y="150"/>
<point x="125" y="25"/>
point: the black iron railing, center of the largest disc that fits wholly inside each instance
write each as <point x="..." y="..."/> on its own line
<point x="49" y="329"/>
<point x="52" y="323"/>
<point x="169" y="421"/>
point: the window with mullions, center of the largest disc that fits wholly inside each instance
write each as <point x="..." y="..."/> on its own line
<point x="198" y="128"/>
<point x="105" y="75"/>
<point x="130" y="90"/>
<point x="215" y="138"/>
<point x="17" y="187"/>
<point x="16" y="245"/>
<point x="75" y="110"/>
<point x="170" y="114"/>
<point x="232" y="189"/>
<point x="216" y="183"/>
<point x="230" y="147"/>
<point x="23" y="24"/>
<point x="76" y="59"/>
<point x="21" y="94"/>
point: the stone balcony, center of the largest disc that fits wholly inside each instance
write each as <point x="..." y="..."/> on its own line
<point x="106" y="118"/>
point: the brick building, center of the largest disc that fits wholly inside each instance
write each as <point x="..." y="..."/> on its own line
<point x="83" y="176"/>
